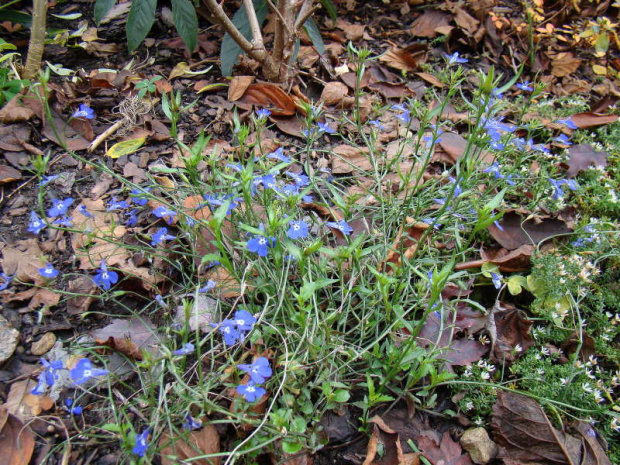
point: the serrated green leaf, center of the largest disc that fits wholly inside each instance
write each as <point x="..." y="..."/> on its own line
<point x="125" y="148"/>
<point x="186" y="22"/>
<point x="101" y="9"/>
<point x="139" y="22"/>
<point x="315" y="35"/>
<point x="230" y="51"/>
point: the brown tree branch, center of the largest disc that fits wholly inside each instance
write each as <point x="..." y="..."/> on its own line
<point x="37" y="37"/>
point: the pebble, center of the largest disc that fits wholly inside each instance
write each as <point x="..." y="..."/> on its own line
<point x="43" y="345"/>
<point x="9" y="337"/>
<point x="477" y="443"/>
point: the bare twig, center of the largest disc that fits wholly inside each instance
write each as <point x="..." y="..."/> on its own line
<point x="307" y="9"/>
<point x="257" y="36"/>
<point x="104" y="135"/>
<point x="279" y="15"/>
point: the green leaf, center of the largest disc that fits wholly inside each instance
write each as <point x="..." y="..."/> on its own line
<point x="15" y="17"/>
<point x="101" y="9"/>
<point x="330" y="8"/>
<point x="487" y="268"/>
<point x="139" y="22"/>
<point x="186" y="22"/>
<point x="230" y="50"/>
<point x="341" y="396"/>
<point x="602" y="44"/>
<point x="308" y="289"/>
<point x="291" y="447"/>
<point x="125" y="148"/>
<point x="315" y="35"/>
<point x="516" y="283"/>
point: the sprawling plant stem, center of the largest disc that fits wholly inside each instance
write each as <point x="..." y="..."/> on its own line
<point x="290" y="18"/>
<point x="37" y="36"/>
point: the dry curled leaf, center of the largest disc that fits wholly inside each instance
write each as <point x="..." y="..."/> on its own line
<point x="269" y="96"/>
<point x="198" y="443"/>
<point x="442" y="451"/>
<point x="581" y="157"/>
<point x="16" y="439"/>
<point x="517" y="231"/>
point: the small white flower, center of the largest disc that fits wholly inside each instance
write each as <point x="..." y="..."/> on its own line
<point x="518" y="348"/>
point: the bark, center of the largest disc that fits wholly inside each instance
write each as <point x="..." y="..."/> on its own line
<point x="37" y="37"/>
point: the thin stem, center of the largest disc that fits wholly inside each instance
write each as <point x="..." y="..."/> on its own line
<point x="257" y="37"/>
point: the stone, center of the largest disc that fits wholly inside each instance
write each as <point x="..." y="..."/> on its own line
<point x="43" y="345"/>
<point x="9" y="337"/>
<point x="479" y="446"/>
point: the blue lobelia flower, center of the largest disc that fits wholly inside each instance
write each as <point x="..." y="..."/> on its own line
<point x="73" y="409"/>
<point x="244" y="320"/>
<point x="48" y="377"/>
<point x="262" y="113"/>
<point x="84" y="211"/>
<point x="117" y="205"/>
<point x="161" y="235"/>
<point x="259" y="370"/>
<point x="300" y="180"/>
<point x="563" y="139"/>
<point x="269" y="182"/>
<point x="185" y="350"/>
<point x="164" y="212"/>
<point x="279" y="155"/>
<point x="525" y="86"/>
<point x="229" y="332"/>
<point x="376" y="123"/>
<point x="455" y="59"/>
<point x="142" y="443"/>
<point x="84" y="111"/>
<point x="458" y="190"/>
<point x="6" y="280"/>
<point x="191" y="423"/>
<point x="260" y="245"/>
<point x="207" y="287"/>
<point x="250" y="391"/>
<point x="290" y="190"/>
<point x="497" y="280"/>
<point x="105" y="278"/>
<point x="59" y="207"/>
<point x="49" y="271"/>
<point x="160" y="300"/>
<point x="138" y="196"/>
<point x="66" y="221"/>
<point x="45" y="180"/>
<point x="341" y="226"/>
<point x="84" y="370"/>
<point x="558" y="192"/>
<point x="36" y="224"/>
<point x="297" y="230"/>
<point x="132" y="218"/>
<point x="568" y="122"/>
<point x="324" y="127"/>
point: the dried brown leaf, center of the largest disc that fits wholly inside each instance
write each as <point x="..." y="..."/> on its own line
<point x="270" y="96"/>
<point x="8" y="174"/>
<point x="510" y="328"/>
<point x="582" y="156"/>
<point x="390" y="442"/>
<point x="522" y="428"/>
<point x="564" y="63"/>
<point x="431" y="79"/>
<point x="426" y="25"/>
<point x="442" y="451"/>
<point x="193" y="444"/>
<point x="399" y="58"/>
<point x="509" y="261"/>
<point x="590" y="119"/>
<point x="349" y="159"/>
<point x="128" y="336"/>
<point x="14" y="111"/>
<point x="23" y="260"/>
<point x="16" y="439"/>
<point x="238" y="86"/>
<point x="517" y="231"/>
<point x="334" y="92"/>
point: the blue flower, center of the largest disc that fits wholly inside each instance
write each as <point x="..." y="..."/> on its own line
<point x="458" y="190"/>
<point x="84" y="370"/>
<point x="132" y="219"/>
<point x="563" y="139"/>
<point x="191" y="423"/>
<point x="405" y="117"/>
<point x="324" y="127"/>
<point x="279" y="155"/>
<point x="47" y="179"/>
<point x="238" y="167"/>
<point x="260" y="245"/>
<point x="290" y="190"/>
<point x="301" y="180"/>
<point x="141" y="443"/>
<point x="568" y="122"/>
<point x="138" y="196"/>
<point x="166" y="213"/>
<point x="525" y="86"/>
<point x="259" y="370"/>
<point x="250" y="391"/>
<point x="341" y="226"/>
<point x="84" y="111"/>
<point x="49" y="271"/>
<point x="6" y="280"/>
<point x="376" y="123"/>
<point x="66" y="221"/>
<point x="48" y="377"/>
<point x="497" y="225"/>
<point x="117" y="205"/>
<point x="497" y="280"/>
<point x="59" y="207"/>
<point x="558" y="192"/>
<point x="160" y="236"/>
<point x="455" y="58"/>
<point x="83" y="211"/>
<point x="229" y="332"/>
<point x="494" y="168"/>
<point x="105" y="278"/>
<point x="185" y="350"/>
<point x="36" y="224"/>
<point x="297" y="230"/>
<point x="269" y="182"/>
<point x="244" y="320"/>
<point x="160" y="300"/>
<point x="74" y="410"/>
<point x="207" y="287"/>
<point x="262" y="113"/>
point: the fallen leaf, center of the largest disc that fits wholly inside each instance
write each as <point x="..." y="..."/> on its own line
<point x="442" y="451"/>
<point x="8" y="174"/>
<point x="581" y="157"/>
<point x="334" y="92"/>
<point x="431" y="79"/>
<point x="128" y="336"/>
<point x="509" y="328"/>
<point x="517" y="231"/>
<point x="24" y="405"/>
<point x="590" y="119"/>
<point x="238" y="86"/>
<point x="126" y="147"/>
<point x="524" y="431"/>
<point x="188" y="446"/>
<point x="180" y="69"/>
<point x="455" y="146"/>
<point x="269" y="96"/>
<point x="407" y="241"/>
<point x="15" y="112"/>
<point x="466" y="22"/>
<point x="23" y="260"/>
<point x="392" y="452"/>
<point x="349" y="159"/>
<point x="565" y="63"/>
<point x="16" y="439"/>
<point x="509" y="261"/>
<point x="426" y="25"/>
<point x="402" y="59"/>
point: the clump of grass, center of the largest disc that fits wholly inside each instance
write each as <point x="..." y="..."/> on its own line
<point x="326" y="291"/>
